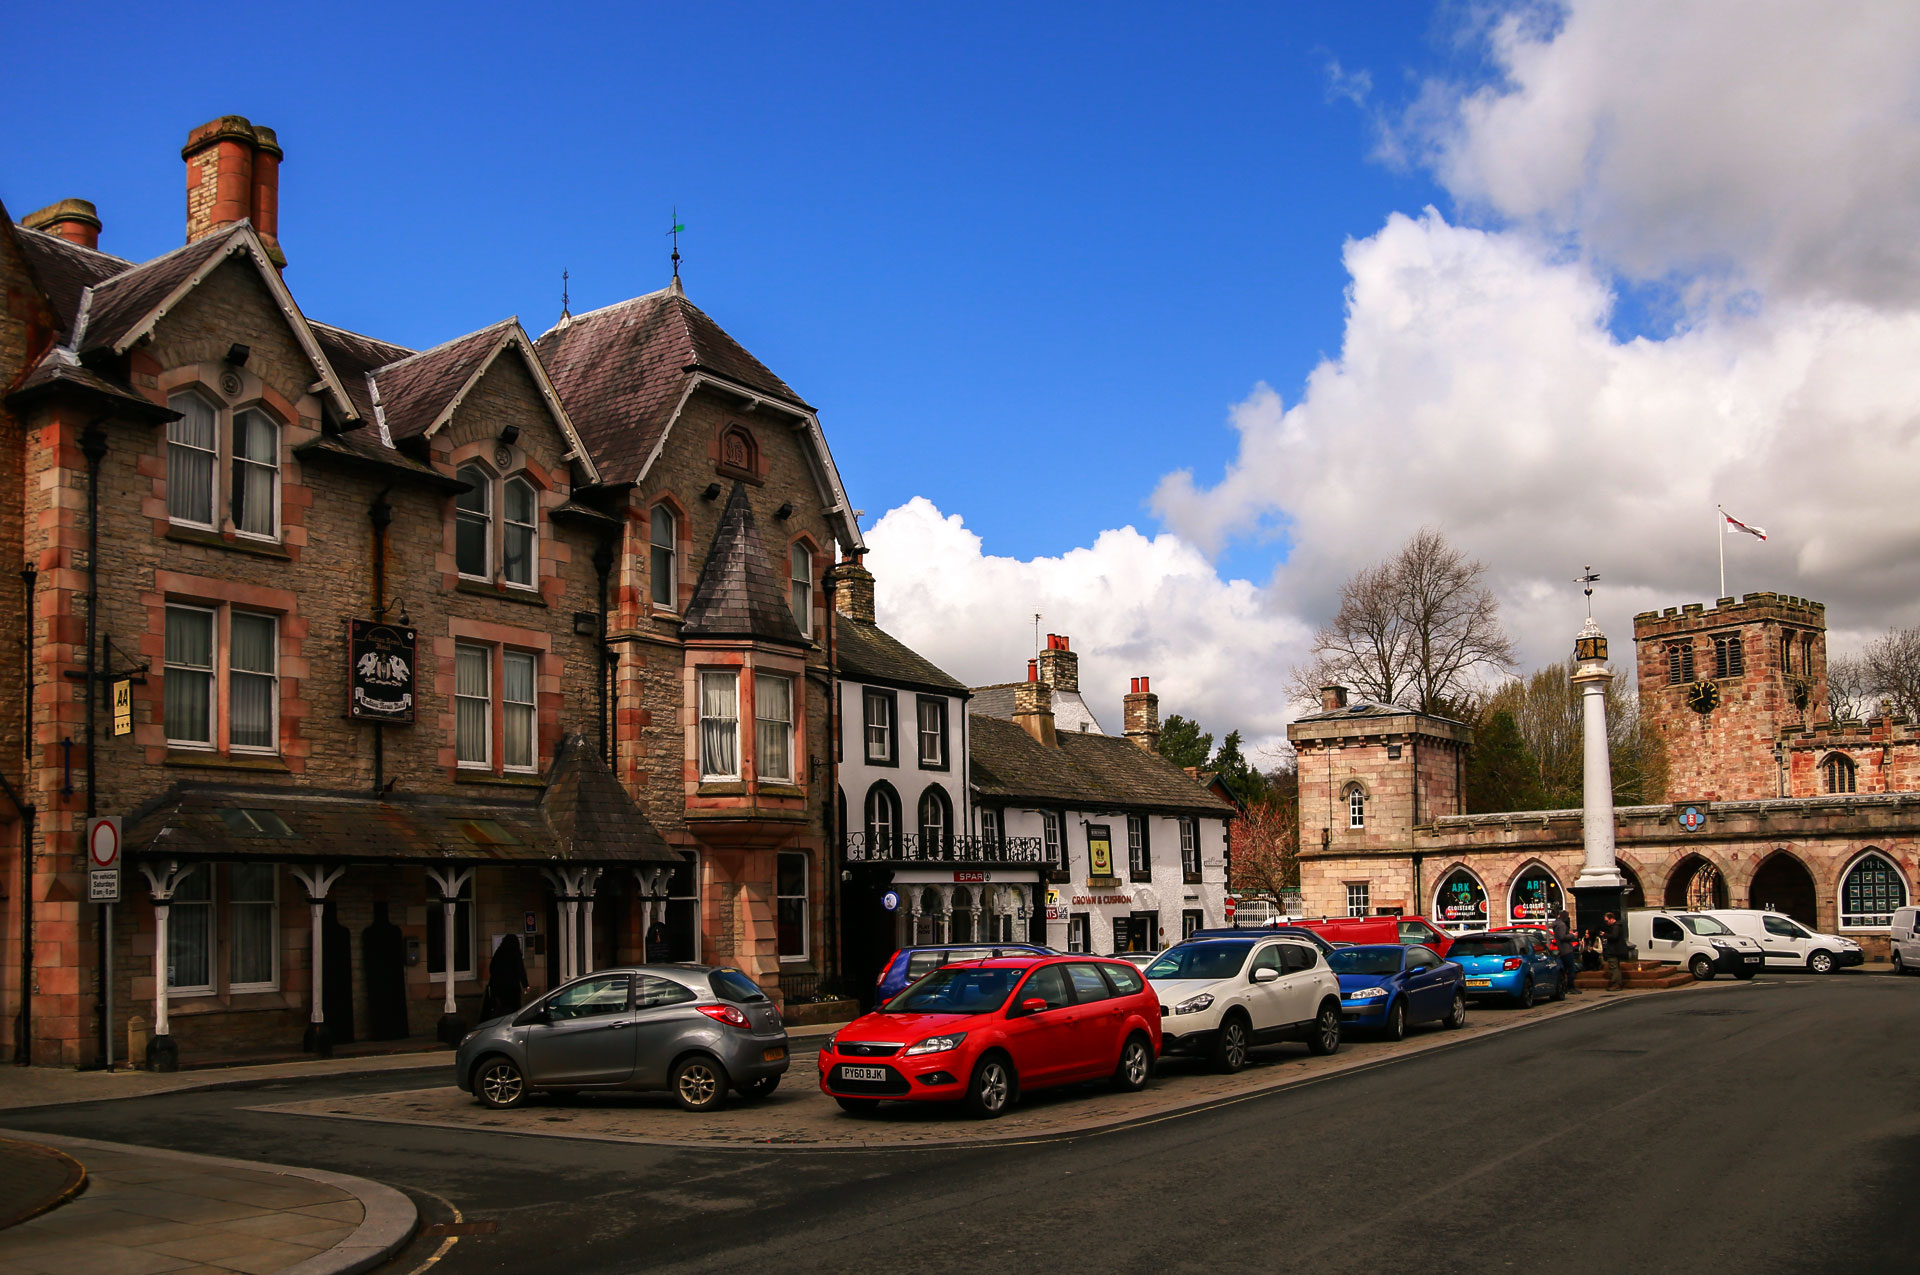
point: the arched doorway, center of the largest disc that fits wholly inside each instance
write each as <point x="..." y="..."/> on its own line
<point x="1460" y="902"/>
<point x="1695" y="886"/>
<point x="1783" y="884"/>
<point x="1535" y="895"/>
<point x="1631" y="895"/>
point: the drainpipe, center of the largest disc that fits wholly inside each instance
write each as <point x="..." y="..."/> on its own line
<point x="93" y="445"/>
<point x="603" y="563"/>
<point x="836" y="849"/>
<point x="380" y="514"/>
<point x="23" y="1025"/>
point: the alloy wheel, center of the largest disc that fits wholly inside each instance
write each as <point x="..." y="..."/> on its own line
<point x="697" y="1085"/>
<point x="993" y="1087"/>
<point x="1136" y="1063"/>
<point x="1233" y="1045"/>
<point x="501" y="1084"/>
<point x="1458" y="1018"/>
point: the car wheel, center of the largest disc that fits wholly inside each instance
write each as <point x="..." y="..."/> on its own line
<point x="1701" y="968"/>
<point x="1230" y="1046"/>
<point x="1821" y="962"/>
<point x="1526" y="993"/>
<point x="698" y="1083"/>
<point x="991" y="1092"/>
<point x="760" y="1088"/>
<point x="1325" y="1038"/>
<point x="858" y="1106"/>
<point x="499" y="1083"/>
<point x="1457" y="1017"/>
<point x="1899" y="967"/>
<point x="1397" y="1021"/>
<point x="1135" y="1067"/>
<point x="1559" y="987"/>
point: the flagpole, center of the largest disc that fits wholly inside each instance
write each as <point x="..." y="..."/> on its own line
<point x="1720" y="533"/>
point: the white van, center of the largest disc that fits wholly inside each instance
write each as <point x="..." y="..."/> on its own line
<point x="1787" y="944"/>
<point x="1702" y="944"/>
<point x="1906" y="939"/>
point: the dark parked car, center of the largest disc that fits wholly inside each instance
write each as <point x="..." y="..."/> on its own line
<point x="694" y="1030"/>
<point x="1387" y="987"/>
<point x="909" y="963"/>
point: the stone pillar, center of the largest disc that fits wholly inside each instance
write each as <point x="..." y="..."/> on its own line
<point x="162" y="879"/>
<point x="318" y="879"/>
<point x="943" y="925"/>
<point x="450" y="882"/>
<point x="1598" y="889"/>
<point x="590" y="882"/>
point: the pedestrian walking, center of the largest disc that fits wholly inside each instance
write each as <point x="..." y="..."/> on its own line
<point x="1613" y="950"/>
<point x="506" y="979"/>
<point x="1568" y="948"/>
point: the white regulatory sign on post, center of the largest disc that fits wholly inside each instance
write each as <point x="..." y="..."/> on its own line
<point x="103" y="885"/>
<point x="103" y="842"/>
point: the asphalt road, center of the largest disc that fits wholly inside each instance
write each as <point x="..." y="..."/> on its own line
<point x="1772" y="1127"/>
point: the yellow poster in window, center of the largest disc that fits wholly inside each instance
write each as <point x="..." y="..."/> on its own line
<point x="123" y="707"/>
<point x="1100" y="849"/>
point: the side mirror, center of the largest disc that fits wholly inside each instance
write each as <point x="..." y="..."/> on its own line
<point x="1032" y="1005"/>
<point x="1265" y="974"/>
<point x="538" y="1014"/>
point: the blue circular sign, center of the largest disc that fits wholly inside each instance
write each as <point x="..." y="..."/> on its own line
<point x="1692" y="819"/>
<point x="890" y="900"/>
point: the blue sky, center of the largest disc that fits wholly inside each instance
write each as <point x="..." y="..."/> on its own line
<point x="965" y="233"/>
<point x="1123" y="318"/>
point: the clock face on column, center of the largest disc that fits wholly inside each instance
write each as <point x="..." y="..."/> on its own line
<point x="1703" y="697"/>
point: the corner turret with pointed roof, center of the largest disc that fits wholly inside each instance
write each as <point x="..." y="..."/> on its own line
<point x="738" y="594"/>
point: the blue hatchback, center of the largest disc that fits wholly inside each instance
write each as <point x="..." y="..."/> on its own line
<point x="1387" y="987"/>
<point x="1516" y="965"/>
<point x="910" y="963"/>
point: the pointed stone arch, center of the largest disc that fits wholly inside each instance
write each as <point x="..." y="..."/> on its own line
<point x="1696" y="883"/>
<point x="1782" y="883"/>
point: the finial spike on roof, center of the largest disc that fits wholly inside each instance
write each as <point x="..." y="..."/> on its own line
<point x="566" y="315"/>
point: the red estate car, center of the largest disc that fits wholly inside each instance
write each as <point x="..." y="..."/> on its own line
<point x="982" y="1031"/>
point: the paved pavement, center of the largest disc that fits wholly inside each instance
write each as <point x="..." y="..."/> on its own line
<point x="146" y="1211"/>
<point x="798" y="1115"/>
<point x="35" y="1177"/>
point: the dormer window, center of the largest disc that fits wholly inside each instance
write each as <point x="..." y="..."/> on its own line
<point x="194" y="450"/>
<point x="802" y="573"/>
<point x="661" y="529"/>
<point x="516" y="505"/>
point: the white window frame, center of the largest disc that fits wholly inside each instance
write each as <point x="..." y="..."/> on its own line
<point x="530" y="707"/>
<point x="1053" y="838"/>
<point x="237" y="460"/>
<point x="1360" y="897"/>
<point x="806" y="907"/>
<point x="272" y="906"/>
<point x="1080" y="932"/>
<point x="662" y="519"/>
<point x="1139" y="849"/>
<point x="700" y="711"/>
<point x="1840" y="896"/>
<point x="1189" y="846"/>
<point x="1356" y="806"/>
<point x="469" y="899"/>
<point x="233" y="674"/>
<point x="935" y="798"/>
<point x="211" y="672"/>
<point x="761" y="723"/>
<point x="483" y="517"/>
<point x="800" y="592"/>
<point x="212" y="462"/>
<point x="881" y="797"/>
<point x="992" y="831"/>
<point x="880" y="723"/>
<point x="508" y="525"/>
<point x="484" y="763"/>
<point x="936" y="736"/>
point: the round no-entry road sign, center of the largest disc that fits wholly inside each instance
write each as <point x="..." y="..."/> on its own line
<point x="1232" y="907"/>
<point x="103" y="841"/>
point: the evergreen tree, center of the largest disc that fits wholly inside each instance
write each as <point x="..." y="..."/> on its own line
<point x="1236" y="772"/>
<point x="1183" y="743"/>
<point x="1502" y="772"/>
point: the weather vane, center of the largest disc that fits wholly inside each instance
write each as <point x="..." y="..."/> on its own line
<point x="675" y="232"/>
<point x="564" y="312"/>
<point x="1587" y="581"/>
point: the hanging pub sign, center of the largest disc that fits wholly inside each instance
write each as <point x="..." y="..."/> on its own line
<point x="380" y="677"/>
<point x="1100" y="849"/>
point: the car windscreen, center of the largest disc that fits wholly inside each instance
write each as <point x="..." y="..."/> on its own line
<point x="732" y="985"/>
<point x="1360" y="960"/>
<point x="1200" y="960"/>
<point x="1482" y="946"/>
<point x="1705" y="926"/>
<point x="956" y="989"/>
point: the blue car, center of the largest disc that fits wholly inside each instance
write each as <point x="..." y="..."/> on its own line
<point x="1516" y="965"/>
<point x="910" y="963"/>
<point x="1387" y="988"/>
<point x="1267" y="931"/>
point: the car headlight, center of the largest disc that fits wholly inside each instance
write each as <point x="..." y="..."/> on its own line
<point x="830" y="1041"/>
<point x="1367" y="993"/>
<point x="467" y="1039"/>
<point x="937" y="1044"/>
<point x="1722" y="944"/>
<point x="1194" y="1004"/>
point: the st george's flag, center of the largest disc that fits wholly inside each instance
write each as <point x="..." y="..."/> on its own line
<point x="1735" y="526"/>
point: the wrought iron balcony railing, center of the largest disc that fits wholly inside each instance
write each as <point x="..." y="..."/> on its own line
<point x="911" y="847"/>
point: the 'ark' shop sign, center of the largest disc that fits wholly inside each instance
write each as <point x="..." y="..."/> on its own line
<point x="380" y="680"/>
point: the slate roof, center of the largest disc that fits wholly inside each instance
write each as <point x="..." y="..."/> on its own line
<point x="1364" y="710"/>
<point x="118" y="305"/>
<point x="1070" y="711"/>
<point x="623" y="370"/>
<point x="868" y="653"/>
<point x="738" y="595"/>
<point x="355" y="355"/>
<point x="413" y="392"/>
<point x="58" y="370"/>
<point x="65" y="270"/>
<point x="1092" y="772"/>
<point x="582" y="815"/>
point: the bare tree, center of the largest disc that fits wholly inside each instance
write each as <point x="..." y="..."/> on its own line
<point x="1413" y="630"/>
<point x="1846" y="688"/>
<point x="1265" y="851"/>
<point x="1890" y="668"/>
<point x="1546" y="709"/>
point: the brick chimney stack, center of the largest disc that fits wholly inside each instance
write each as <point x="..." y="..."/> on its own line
<point x="1033" y="707"/>
<point x="853" y="589"/>
<point x="233" y="174"/>
<point x="74" y="220"/>
<point x="1332" y="697"/>
<point x="1059" y="666"/>
<point x="1142" y="715"/>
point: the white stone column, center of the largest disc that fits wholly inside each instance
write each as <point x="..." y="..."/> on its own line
<point x="450" y="882"/>
<point x="943" y="926"/>
<point x="590" y="882"/>
<point x="318" y="879"/>
<point x="162" y="880"/>
<point x="1592" y="676"/>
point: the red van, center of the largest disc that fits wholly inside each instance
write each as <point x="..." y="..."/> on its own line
<point x="1404" y="930"/>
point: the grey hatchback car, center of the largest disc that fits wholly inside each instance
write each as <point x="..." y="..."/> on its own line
<point x="694" y="1030"/>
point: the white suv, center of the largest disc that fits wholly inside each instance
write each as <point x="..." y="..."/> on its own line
<point x="1220" y="996"/>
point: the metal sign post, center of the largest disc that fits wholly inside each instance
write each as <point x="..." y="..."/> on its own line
<point x="103" y="887"/>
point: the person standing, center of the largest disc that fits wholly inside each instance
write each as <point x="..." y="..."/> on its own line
<point x="506" y="978"/>
<point x="1613" y="949"/>
<point x="1563" y="943"/>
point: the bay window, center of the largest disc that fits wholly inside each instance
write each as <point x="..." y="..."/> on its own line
<point x="235" y="905"/>
<point x="719" y="725"/>
<point x="773" y="721"/>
